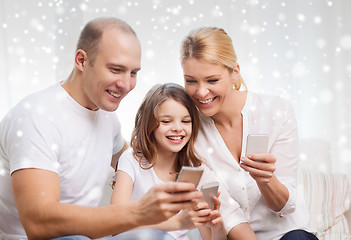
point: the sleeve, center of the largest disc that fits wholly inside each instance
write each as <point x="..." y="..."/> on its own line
<point x="230" y="210"/>
<point x="118" y="140"/>
<point x="127" y="164"/>
<point x="33" y="142"/>
<point x="285" y="149"/>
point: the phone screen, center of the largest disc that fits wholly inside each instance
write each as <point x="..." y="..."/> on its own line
<point x="256" y="143"/>
<point x="190" y="174"/>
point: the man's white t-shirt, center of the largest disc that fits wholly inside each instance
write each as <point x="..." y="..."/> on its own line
<point x="262" y="114"/>
<point x="49" y="130"/>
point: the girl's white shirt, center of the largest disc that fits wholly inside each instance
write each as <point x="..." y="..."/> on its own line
<point x="144" y="179"/>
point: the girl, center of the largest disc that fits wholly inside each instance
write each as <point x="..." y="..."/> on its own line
<point x="166" y="126"/>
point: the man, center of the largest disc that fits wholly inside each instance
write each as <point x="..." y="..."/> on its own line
<point x="56" y="147"/>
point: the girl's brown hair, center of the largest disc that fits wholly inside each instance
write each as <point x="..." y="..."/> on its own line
<point x="213" y="45"/>
<point x="143" y="140"/>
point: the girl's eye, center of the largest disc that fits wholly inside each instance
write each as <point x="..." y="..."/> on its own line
<point x="166" y="121"/>
<point x="186" y="121"/>
<point x="190" y="81"/>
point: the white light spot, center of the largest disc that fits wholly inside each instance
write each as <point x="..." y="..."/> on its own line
<point x="19" y="133"/>
<point x="345" y="42"/>
<point x="298" y="70"/>
<point x="320" y="43"/>
<point x="317" y="19"/>
<point x="326" y="96"/>
<point x="301" y="17"/>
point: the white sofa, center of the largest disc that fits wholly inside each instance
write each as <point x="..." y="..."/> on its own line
<point x="327" y="194"/>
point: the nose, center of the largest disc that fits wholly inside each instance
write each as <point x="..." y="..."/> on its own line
<point x="176" y="127"/>
<point x="125" y="83"/>
<point x="202" y="91"/>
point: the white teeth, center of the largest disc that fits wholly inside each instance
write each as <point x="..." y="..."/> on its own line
<point x="114" y="94"/>
<point x="175" y="138"/>
<point x="206" y="101"/>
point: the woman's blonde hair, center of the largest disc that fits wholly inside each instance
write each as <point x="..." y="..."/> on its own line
<point x="143" y="141"/>
<point x="213" y="45"/>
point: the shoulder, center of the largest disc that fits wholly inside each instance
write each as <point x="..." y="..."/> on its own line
<point x="266" y="102"/>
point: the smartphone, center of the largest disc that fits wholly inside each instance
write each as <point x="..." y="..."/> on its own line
<point x="190" y="174"/>
<point x="256" y="143"/>
<point x="208" y="191"/>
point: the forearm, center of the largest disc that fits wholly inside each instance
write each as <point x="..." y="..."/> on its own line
<point x="242" y="231"/>
<point x="274" y="193"/>
<point x="172" y="224"/>
<point x="59" y="219"/>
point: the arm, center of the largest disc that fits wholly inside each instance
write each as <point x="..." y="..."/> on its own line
<point x="261" y="167"/>
<point x="214" y="229"/>
<point x="37" y="194"/>
<point x="276" y="172"/>
<point x="242" y="231"/>
<point x="115" y="157"/>
<point x="122" y="191"/>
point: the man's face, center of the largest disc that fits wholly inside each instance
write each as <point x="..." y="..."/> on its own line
<point x="112" y="75"/>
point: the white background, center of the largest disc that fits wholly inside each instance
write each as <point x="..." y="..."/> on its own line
<point x="300" y="50"/>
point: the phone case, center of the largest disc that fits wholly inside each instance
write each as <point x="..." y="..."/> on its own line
<point x="190" y="174"/>
<point x="208" y="191"/>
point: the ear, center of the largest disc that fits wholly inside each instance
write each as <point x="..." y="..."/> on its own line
<point x="80" y="59"/>
<point x="236" y="74"/>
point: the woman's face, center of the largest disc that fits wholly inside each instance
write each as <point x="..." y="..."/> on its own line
<point x="208" y="84"/>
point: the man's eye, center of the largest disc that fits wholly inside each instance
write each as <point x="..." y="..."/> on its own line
<point x="133" y="74"/>
<point x="115" y="70"/>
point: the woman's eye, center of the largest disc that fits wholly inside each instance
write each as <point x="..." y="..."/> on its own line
<point x="213" y="80"/>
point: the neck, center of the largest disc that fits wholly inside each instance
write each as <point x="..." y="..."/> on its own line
<point x="230" y="113"/>
<point x="166" y="162"/>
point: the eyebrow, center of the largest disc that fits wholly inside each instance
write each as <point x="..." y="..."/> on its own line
<point x="121" y="66"/>
<point x="212" y="76"/>
<point x="169" y="116"/>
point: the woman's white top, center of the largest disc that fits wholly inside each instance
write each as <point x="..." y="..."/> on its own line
<point x="262" y="114"/>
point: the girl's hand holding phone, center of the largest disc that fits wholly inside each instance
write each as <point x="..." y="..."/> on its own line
<point x="215" y="223"/>
<point x="194" y="218"/>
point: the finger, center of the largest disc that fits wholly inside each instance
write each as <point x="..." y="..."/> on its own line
<point x="172" y="187"/>
<point x="201" y="205"/>
<point x="217" y="203"/>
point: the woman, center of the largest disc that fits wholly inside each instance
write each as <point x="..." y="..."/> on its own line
<point x="263" y="184"/>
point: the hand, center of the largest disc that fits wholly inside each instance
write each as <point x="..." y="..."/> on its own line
<point x="165" y="200"/>
<point x="195" y="217"/>
<point x="215" y="223"/>
<point x="260" y="166"/>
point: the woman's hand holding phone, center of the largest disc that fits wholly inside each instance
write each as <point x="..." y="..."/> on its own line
<point x="257" y="161"/>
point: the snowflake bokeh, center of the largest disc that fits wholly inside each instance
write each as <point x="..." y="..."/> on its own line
<point x="299" y="50"/>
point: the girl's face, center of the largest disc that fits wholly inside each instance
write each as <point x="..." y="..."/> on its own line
<point x="174" y="130"/>
<point x="208" y="84"/>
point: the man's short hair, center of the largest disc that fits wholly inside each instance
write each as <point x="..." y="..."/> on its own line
<point x="92" y="32"/>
